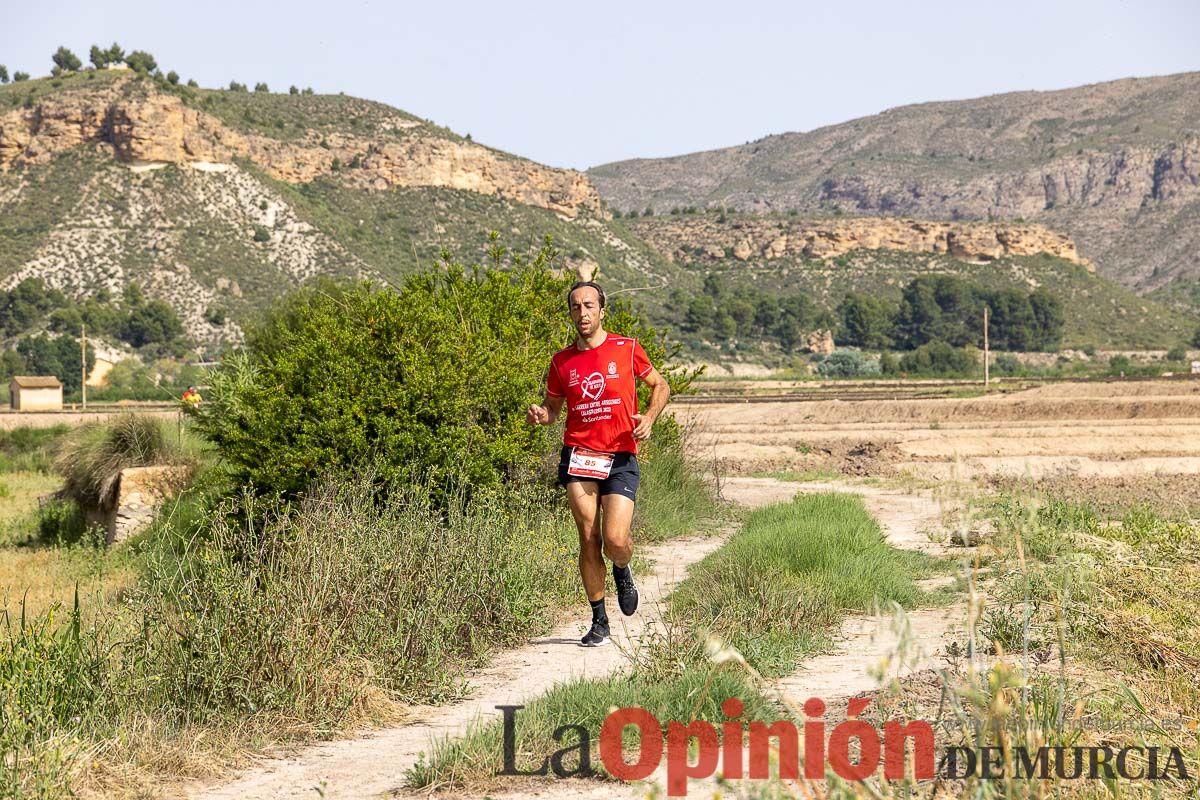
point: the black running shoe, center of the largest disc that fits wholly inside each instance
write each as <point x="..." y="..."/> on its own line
<point x="627" y="593"/>
<point x="596" y="637"/>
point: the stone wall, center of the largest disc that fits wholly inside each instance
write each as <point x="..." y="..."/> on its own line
<point x="140" y="493"/>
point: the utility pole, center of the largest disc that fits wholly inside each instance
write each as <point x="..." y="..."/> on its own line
<point x="83" y="363"/>
<point x="986" y="372"/>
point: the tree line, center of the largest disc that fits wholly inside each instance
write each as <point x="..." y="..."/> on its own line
<point x="932" y="308"/>
<point x="140" y="61"/>
<point x="151" y="326"/>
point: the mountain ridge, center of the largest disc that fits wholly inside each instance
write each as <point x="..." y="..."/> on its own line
<point x="1113" y="165"/>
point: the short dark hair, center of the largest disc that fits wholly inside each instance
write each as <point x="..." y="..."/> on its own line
<point x="584" y="285"/>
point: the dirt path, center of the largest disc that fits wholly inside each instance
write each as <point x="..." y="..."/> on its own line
<point x="868" y="646"/>
<point x="864" y="644"/>
<point x="374" y="762"/>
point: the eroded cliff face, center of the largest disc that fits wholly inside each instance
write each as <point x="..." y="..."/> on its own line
<point x="153" y="127"/>
<point x="748" y="238"/>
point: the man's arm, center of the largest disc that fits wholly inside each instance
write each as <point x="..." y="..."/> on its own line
<point x="546" y="413"/>
<point x="660" y="393"/>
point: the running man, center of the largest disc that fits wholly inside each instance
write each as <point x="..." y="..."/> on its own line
<point x="598" y="467"/>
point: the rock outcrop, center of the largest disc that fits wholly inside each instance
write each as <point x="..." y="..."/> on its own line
<point x="154" y="127"/>
<point x="1115" y="166"/>
<point x="748" y="238"/>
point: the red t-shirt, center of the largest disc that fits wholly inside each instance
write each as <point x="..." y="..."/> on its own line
<point x="601" y="392"/>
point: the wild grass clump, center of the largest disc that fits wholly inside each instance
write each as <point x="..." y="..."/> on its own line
<point x="27" y="449"/>
<point x="52" y="679"/>
<point x="674" y="498"/>
<point x="91" y="458"/>
<point x="346" y="598"/>
<point x="776" y="589"/>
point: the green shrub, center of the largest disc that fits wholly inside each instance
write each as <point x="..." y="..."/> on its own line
<point x="173" y="77"/>
<point x="889" y="364"/>
<point x="261" y="87"/>
<point x="140" y="61"/>
<point x="848" y="364"/>
<point x="940" y="359"/>
<point x="261" y="234"/>
<point x="19" y="76"/>
<point x="1177" y="353"/>
<point x="432" y="380"/>
<point x="1006" y="364"/>
<point x="1119" y="365"/>
<point x="65" y="60"/>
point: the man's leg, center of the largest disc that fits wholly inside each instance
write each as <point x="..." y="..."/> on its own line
<point x="584" y="499"/>
<point x="618" y="518"/>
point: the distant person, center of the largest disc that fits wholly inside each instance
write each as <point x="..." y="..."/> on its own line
<point x="598" y="466"/>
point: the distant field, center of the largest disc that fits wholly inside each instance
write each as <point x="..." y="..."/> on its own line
<point x="1092" y="429"/>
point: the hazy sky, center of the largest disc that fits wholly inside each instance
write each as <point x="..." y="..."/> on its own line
<point x="579" y="84"/>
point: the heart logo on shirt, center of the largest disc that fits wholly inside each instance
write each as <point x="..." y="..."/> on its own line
<point x="592" y="386"/>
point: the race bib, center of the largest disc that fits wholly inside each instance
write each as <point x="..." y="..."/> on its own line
<point x="589" y="463"/>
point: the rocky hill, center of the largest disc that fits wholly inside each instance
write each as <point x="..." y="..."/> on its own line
<point x="1114" y="166"/>
<point x="745" y="238"/>
<point x="219" y="200"/>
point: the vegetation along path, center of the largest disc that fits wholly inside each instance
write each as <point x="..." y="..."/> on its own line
<point x="375" y="762"/>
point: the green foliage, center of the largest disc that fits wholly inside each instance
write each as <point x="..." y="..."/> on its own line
<point x="28" y="449"/>
<point x="431" y="381"/>
<point x="1119" y="365"/>
<point x="866" y="321"/>
<point x="1177" y="353"/>
<point x="774" y="591"/>
<point x="293" y="90"/>
<point x="261" y="234"/>
<point x="58" y="356"/>
<point x="746" y="312"/>
<point x="888" y="364"/>
<point x="66" y="61"/>
<point x="98" y="57"/>
<point x="173" y="77"/>
<point x="115" y="54"/>
<point x="941" y="360"/>
<point x="261" y="87"/>
<point x="3" y="74"/>
<point x="192" y="83"/>
<point x="1196" y="338"/>
<point x="234" y="86"/>
<point x="140" y="61"/>
<point x="848" y="364"/>
<point x="950" y="309"/>
<point x="19" y="76"/>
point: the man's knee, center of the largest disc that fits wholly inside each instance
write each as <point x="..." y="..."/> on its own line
<point x="617" y="547"/>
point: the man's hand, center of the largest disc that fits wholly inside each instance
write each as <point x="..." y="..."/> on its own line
<point x="642" y="423"/>
<point x="537" y="415"/>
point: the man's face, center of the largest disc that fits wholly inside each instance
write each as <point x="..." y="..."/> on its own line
<point x="586" y="312"/>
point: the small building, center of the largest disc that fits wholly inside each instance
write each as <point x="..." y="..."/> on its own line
<point x="35" y="393"/>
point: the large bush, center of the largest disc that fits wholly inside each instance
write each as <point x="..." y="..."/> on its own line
<point x="940" y="359"/>
<point x="848" y="364"/>
<point x="431" y="381"/>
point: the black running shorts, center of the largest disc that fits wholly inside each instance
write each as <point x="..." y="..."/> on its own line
<point x="623" y="478"/>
